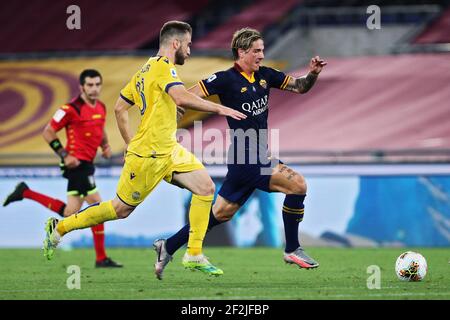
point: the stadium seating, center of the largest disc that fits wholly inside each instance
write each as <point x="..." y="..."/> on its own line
<point x="395" y="105"/>
<point x="130" y="25"/>
<point x="258" y="15"/>
<point x="365" y="3"/>
<point x="437" y="32"/>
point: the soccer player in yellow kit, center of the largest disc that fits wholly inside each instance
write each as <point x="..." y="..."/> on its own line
<point x="154" y="154"/>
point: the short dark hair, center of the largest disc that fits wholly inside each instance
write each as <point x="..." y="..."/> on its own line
<point x="243" y="39"/>
<point x="171" y="28"/>
<point x="91" y="73"/>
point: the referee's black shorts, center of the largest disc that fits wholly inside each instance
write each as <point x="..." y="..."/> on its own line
<point x="80" y="179"/>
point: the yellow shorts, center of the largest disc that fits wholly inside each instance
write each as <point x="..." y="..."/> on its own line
<point x="141" y="175"/>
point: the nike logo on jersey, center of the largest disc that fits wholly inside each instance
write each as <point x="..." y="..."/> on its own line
<point x="132" y="176"/>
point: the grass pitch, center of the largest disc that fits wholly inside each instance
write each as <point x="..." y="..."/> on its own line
<point x="253" y="273"/>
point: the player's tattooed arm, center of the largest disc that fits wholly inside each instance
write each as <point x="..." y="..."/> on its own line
<point x="305" y="83"/>
<point x="302" y="84"/>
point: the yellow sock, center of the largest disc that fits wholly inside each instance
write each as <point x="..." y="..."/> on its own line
<point x="88" y="217"/>
<point x="198" y="220"/>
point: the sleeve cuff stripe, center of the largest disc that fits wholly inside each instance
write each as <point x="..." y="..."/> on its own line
<point x="282" y="84"/>
<point x="169" y="85"/>
<point x="202" y="86"/>
<point x="285" y="82"/>
<point x="126" y="99"/>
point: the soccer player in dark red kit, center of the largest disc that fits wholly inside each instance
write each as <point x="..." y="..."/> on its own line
<point x="84" y="121"/>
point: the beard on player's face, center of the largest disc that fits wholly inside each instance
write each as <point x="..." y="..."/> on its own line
<point x="179" y="56"/>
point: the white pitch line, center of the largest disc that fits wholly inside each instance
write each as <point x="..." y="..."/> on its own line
<point x="391" y="294"/>
<point x="322" y="295"/>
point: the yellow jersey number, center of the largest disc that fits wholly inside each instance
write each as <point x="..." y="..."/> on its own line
<point x="140" y="89"/>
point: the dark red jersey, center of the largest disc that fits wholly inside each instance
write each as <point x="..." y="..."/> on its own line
<point x="84" y="127"/>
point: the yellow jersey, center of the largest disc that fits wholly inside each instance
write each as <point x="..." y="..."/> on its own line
<point x="148" y="89"/>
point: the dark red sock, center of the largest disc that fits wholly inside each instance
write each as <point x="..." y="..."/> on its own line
<point x="50" y="203"/>
<point x="98" y="233"/>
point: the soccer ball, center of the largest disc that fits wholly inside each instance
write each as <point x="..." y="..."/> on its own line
<point x="411" y="266"/>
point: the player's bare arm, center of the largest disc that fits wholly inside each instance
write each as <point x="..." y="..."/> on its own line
<point x="185" y="99"/>
<point x="50" y="136"/>
<point x="306" y="82"/>
<point x="121" y="112"/>
<point x="194" y="90"/>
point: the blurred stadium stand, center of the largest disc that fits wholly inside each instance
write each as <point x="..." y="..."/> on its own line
<point x="32" y="90"/>
<point x="437" y="32"/>
<point x="259" y="15"/>
<point x="366" y="109"/>
<point x="107" y="25"/>
<point x="376" y="90"/>
<point x="339" y="31"/>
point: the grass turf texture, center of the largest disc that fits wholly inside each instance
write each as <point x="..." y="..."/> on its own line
<point x="249" y="273"/>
